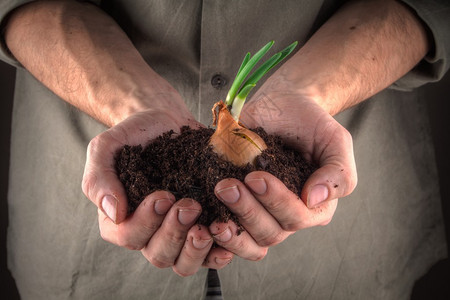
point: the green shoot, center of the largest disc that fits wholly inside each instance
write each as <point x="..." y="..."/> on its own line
<point x="239" y="89"/>
<point x="245" y="69"/>
<point x="244" y="62"/>
<point x="239" y="101"/>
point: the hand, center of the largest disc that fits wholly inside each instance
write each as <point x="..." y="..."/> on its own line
<point x="267" y="210"/>
<point x="161" y="227"/>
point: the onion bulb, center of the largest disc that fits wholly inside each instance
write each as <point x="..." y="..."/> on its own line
<point x="231" y="140"/>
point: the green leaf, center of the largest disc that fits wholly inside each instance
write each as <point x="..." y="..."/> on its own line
<point x="286" y="51"/>
<point x="243" y="73"/>
<point x="241" y="88"/>
<point x="270" y="63"/>
<point x="263" y="69"/>
<point x="243" y="93"/>
<point x="244" y="62"/>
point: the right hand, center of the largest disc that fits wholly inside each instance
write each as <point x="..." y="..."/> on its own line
<point x="161" y="227"/>
<point x="267" y="210"/>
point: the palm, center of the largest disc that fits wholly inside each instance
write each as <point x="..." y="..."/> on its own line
<point x="304" y="125"/>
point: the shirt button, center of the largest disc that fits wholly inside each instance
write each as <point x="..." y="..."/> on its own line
<point x="218" y="81"/>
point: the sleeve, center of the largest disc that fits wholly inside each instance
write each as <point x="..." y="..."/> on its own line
<point x="435" y="15"/>
<point x="6" y="8"/>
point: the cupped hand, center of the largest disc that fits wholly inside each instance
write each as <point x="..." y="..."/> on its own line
<point x="267" y="210"/>
<point x="162" y="228"/>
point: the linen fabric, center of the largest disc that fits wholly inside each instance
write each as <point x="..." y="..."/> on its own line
<point x="382" y="238"/>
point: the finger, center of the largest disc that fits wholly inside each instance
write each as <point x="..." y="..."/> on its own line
<point x="337" y="176"/>
<point x="328" y="182"/>
<point x="194" y="252"/>
<point x="165" y="245"/>
<point x="135" y="231"/>
<point x="319" y="137"/>
<point x="228" y="236"/>
<point x="100" y="181"/>
<point x="218" y="258"/>
<point x="252" y="215"/>
<point x="286" y="207"/>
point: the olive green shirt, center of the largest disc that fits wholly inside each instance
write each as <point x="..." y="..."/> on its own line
<point x="383" y="236"/>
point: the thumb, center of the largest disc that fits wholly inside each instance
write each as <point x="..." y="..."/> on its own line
<point x="327" y="183"/>
<point x="337" y="176"/>
<point x="100" y="180"/>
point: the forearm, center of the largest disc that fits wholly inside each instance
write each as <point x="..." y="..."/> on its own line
<point x="362" y="49"/>
<point x="82" y="55"/>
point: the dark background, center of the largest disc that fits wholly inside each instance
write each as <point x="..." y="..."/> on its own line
<point x="7" y="73"/>
<point x="438" y="95"/>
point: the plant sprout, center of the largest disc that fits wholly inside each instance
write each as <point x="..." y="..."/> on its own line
<point x="231" y="140"/>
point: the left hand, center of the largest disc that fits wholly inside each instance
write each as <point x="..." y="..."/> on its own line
<point x="161" y="227"/>
<point x="267" y="210"/>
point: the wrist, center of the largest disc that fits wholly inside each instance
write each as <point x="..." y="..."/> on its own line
<point x="361" y="50"/>
<point x="126" y="89"/>
<point x="165" y="100"/>
<point x="87" y="60"/>
<point x="310" y="87"/>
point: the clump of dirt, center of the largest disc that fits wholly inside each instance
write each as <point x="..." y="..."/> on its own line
<point x="186" y="166"/>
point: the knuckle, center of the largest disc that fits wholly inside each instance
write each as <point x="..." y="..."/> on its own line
<point x="275" y="205"/>
<point x="194" y="255"/>
<point x="132" y="247"/>
<point x="106" y="237"/>
<point x="260" y="255"/>
<point x="235" y="245"/>
<point x="293" y="227"/>
<point x="183" y="273"/>
<point x="352" y="182"/>
<point x="128" y="240"/>
<point x="88" y="184"/>
<point x="326" y="221"/>
<point x="159" y="262"/>
<point x="94" y="145"/>
<point x="296" y="226"/>
<point x="175" y="239"/>
<point x="346" y="134"/>
<point x="148" y="229"/>
<point x="251" y="254"/>
<point x="271" y="240"/>
<point x="90" y="178"/>
<point x="247" y="215"/>
<point x="125" y="242"/>
<point x="350" y="178"/>
<point x="121" y="241"/>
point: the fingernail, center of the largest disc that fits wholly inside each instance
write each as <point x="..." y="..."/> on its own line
<point x="229" y="194"/>
<point x="224" y="236"/>
<point x="317" y="195"/>
<point x="187" y="215"/>
<point x="109" y="206"/>
<point x="257" y="185"/>
<point x="200" y="244"/>
<point x="162" y="206"/>
<point x="222" y="261"/>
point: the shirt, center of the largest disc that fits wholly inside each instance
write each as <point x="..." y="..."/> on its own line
<point x="383" y="236"/>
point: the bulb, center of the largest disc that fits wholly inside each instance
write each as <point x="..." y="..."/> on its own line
<point x="232" y="141"/>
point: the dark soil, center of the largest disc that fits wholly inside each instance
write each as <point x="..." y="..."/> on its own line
<point x="186" y="166"/>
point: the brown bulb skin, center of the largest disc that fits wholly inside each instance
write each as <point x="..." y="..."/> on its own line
<point x="232" y="141"/>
